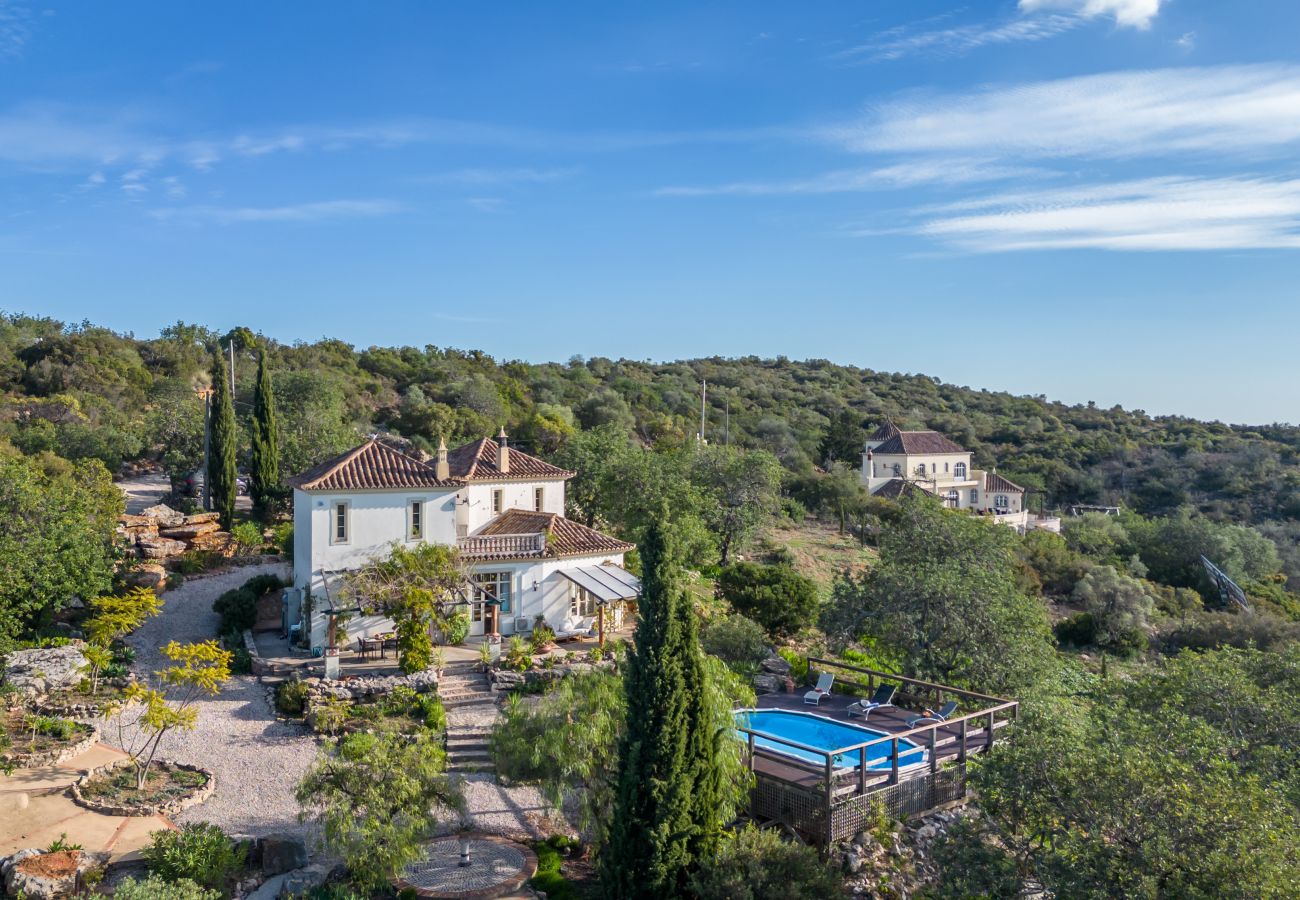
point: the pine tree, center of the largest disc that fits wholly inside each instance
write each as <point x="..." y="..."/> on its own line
<point x="266" y="440"/>
<point x="652" y="832"/>
<point x="221" y="463"/>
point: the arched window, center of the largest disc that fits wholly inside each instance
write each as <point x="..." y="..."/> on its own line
<point x="920" y="469"/>
<point x="959" y="471"/>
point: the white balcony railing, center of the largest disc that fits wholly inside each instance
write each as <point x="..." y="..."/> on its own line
<point x="501" y="545"/>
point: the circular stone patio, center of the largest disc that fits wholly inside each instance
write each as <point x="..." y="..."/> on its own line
<point x="496" y="867"/>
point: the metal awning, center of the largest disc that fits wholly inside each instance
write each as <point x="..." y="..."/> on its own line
<point x="606" y="583"/>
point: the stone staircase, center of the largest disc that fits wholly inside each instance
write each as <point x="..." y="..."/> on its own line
<point x="463" y="685"/>
<point x="467" y="749"/>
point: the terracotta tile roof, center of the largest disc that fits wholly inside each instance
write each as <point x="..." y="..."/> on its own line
<point x="477" y="461"/>
<point x="884" y="432"/>
<point x="993" y="482"/>
<point x="916" y="442"/>
<point x="897" y="487"/>
<point x="375" y="465"/>
<point x="564" y="537"/>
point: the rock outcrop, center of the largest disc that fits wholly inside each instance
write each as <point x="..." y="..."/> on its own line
<point x="34" y="673"/>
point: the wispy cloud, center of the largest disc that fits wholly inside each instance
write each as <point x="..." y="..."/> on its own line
<point x="15" y="29"/>
<point x="486" y="204"/>
<point x="1168" y="213"/>
<point x="319" y="211"/>
<point x="1039" y="20"/>
<point x="1127" y="13"/>
<point x="1232" y="109"/>
<point x="903" y="174"/>
<point x="504" y="176"/>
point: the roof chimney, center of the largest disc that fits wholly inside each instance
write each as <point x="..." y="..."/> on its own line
<point x="503" y="452"/>
<point x="442" y="469"/>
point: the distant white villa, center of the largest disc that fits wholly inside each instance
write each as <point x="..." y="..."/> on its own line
<point x="894" y="462"/>
<point x="503" y="509"/>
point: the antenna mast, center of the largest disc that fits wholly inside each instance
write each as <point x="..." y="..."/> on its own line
<point x="704" y="393"/>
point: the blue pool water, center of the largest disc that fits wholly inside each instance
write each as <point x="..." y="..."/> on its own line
<point x="827" y="734"/>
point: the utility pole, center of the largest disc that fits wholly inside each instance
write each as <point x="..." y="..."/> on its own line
<point x="232" y="369"/>
<point x="704" y="393"/>
<point x="206" y="394"/>
<point x="726" y="427"/>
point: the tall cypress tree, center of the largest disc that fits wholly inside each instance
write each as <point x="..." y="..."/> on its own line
<point x="221" y="463"/>
<point x="266" y="440"/>
<point x="651" y="835"/>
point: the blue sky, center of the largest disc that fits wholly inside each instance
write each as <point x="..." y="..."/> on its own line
<point x="1089" y="199"/>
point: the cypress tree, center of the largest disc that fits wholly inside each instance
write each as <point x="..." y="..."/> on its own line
<point x="648" y="852"/>
<point x="704" y="744"/>
<point x="221" y="464"/>
<point x="266" y="440"/>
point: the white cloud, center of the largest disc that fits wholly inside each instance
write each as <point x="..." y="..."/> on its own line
<point x="1224" y="109"/>
<point x="1129" y="13"/>
<point x="487" y="204"/>
<point x="476" y="177"/>
<point x="898" y="43"/>
<point x="903" y="174"/>
<point x="1167" y="213"/>
<point x="15" y="29"/>
<point x="320" y="211"/>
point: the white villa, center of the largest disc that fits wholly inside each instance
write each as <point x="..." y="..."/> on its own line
<point x="894" y="462"/>
<point x="504" y="510"/>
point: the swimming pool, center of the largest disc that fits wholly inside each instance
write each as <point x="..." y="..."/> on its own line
<point x="819" y="731"/>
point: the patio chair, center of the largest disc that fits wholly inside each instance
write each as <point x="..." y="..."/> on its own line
<point x="884" y="696"/>
<point x="363" y="648"/>
<point x="823" y="689"/>
<point x="933" y="717"/>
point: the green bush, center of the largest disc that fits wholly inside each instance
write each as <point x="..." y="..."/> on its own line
<point x="739" y="642"/>
<point x="456" y="628"/>
<point x="518" y="657"/>
<point x="291" y="697"/>
<point x="776" y="597"/>
<point x="248" y="535"/>
<point x="542" y="635"/>
<point x="237" y="608"/>
<point x="798" y="664"/>
<point x="282" y="537"/>
<point x="263" y="584"/>
<point x="756" y="863"/>
<point x="198" y="851"/>
<point x="1079" y="630"/>
<point x="156" y="888"/>
<point x="196" y="562"/>
<point x="549" y="879"/>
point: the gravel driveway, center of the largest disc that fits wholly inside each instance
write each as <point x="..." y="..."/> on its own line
<point x="257" y="758"/>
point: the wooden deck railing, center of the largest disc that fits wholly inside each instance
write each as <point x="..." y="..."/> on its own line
<point x="503" y="545"/>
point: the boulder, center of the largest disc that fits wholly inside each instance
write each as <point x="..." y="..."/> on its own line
<point x="767" y="684"/>
<point x="775" y="665"/>
<point x="301" y="882"/>
<point x="38" y="875"/>
<point x="163" y="514"/>
<point x="148" y="575"/>
<point x="189" y="532"/>
<point x="505" y="680"/>
<point x="34" y="673"/>
<point x="282" y="853"/>
<point x="198" y="518"/>
<point x="159" y="548"/>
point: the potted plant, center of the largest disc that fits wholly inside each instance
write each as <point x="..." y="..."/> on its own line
<point x="485" y="655"/>
<point x="439" y="661"/>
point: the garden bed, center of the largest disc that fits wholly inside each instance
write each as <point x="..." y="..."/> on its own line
<point x="41" y="740"/>
<point x="401" y="712"/>
<point x="79" y="703"/>
<point x="169" y="788"/>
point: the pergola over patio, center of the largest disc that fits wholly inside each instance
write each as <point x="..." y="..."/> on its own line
<point x="826" y="800"/>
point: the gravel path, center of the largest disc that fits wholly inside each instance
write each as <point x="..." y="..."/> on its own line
<point x="257" y="758"/>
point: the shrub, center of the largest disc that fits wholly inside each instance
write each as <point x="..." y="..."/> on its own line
<point x="196" y="562"/>
<point x="755" y="863"/>
<point x="549" y="880"/>
<point x="776" y="597"/>
<point x="798" y="664"/>
<point x="1079" y="630"/>
<point x="237" y="608"/>
<point x="263" y="584"/>
<point x="282" y="537"/>
<point x="248" y="536"/>
<point x="291" y="697"/>
<point x="736" y="640"/>
<point x="518" y="657"/>
<point x="198" y="851"/>
<point x="156" y="888"/>
<point x="542" y="635"/>
<point x="456" y="628"/>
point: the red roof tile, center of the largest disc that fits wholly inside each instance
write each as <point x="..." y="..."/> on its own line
<point x="914" y="442"/>
<point x="995" y="483"/>
<point x="477" y="461"/>
<point x="564" y="537"/>
<point x="375" y="465"/>
<point x="884" y="432"/>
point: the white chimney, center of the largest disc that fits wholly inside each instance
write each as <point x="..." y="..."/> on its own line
<point x="443" y="467"/>
<point x="503" y="452"/>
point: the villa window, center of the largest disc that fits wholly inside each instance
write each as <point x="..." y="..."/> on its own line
<point x="974" y="496"/>
<point x="897" y="471"/>
<point x="415" y="521"/>
<point x="1002" y="501"/>
<point x="920" y="469"/>
<point x="341" y="515"/>
<point x="954" y="500"/>
<point x="539" y="498"/>
<point x="496" y="503"/>
<point x="489" y="586"/>
<point x="945" y="467"/>
<point x="582" y="603"/>
<point x="959" y="470"/>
